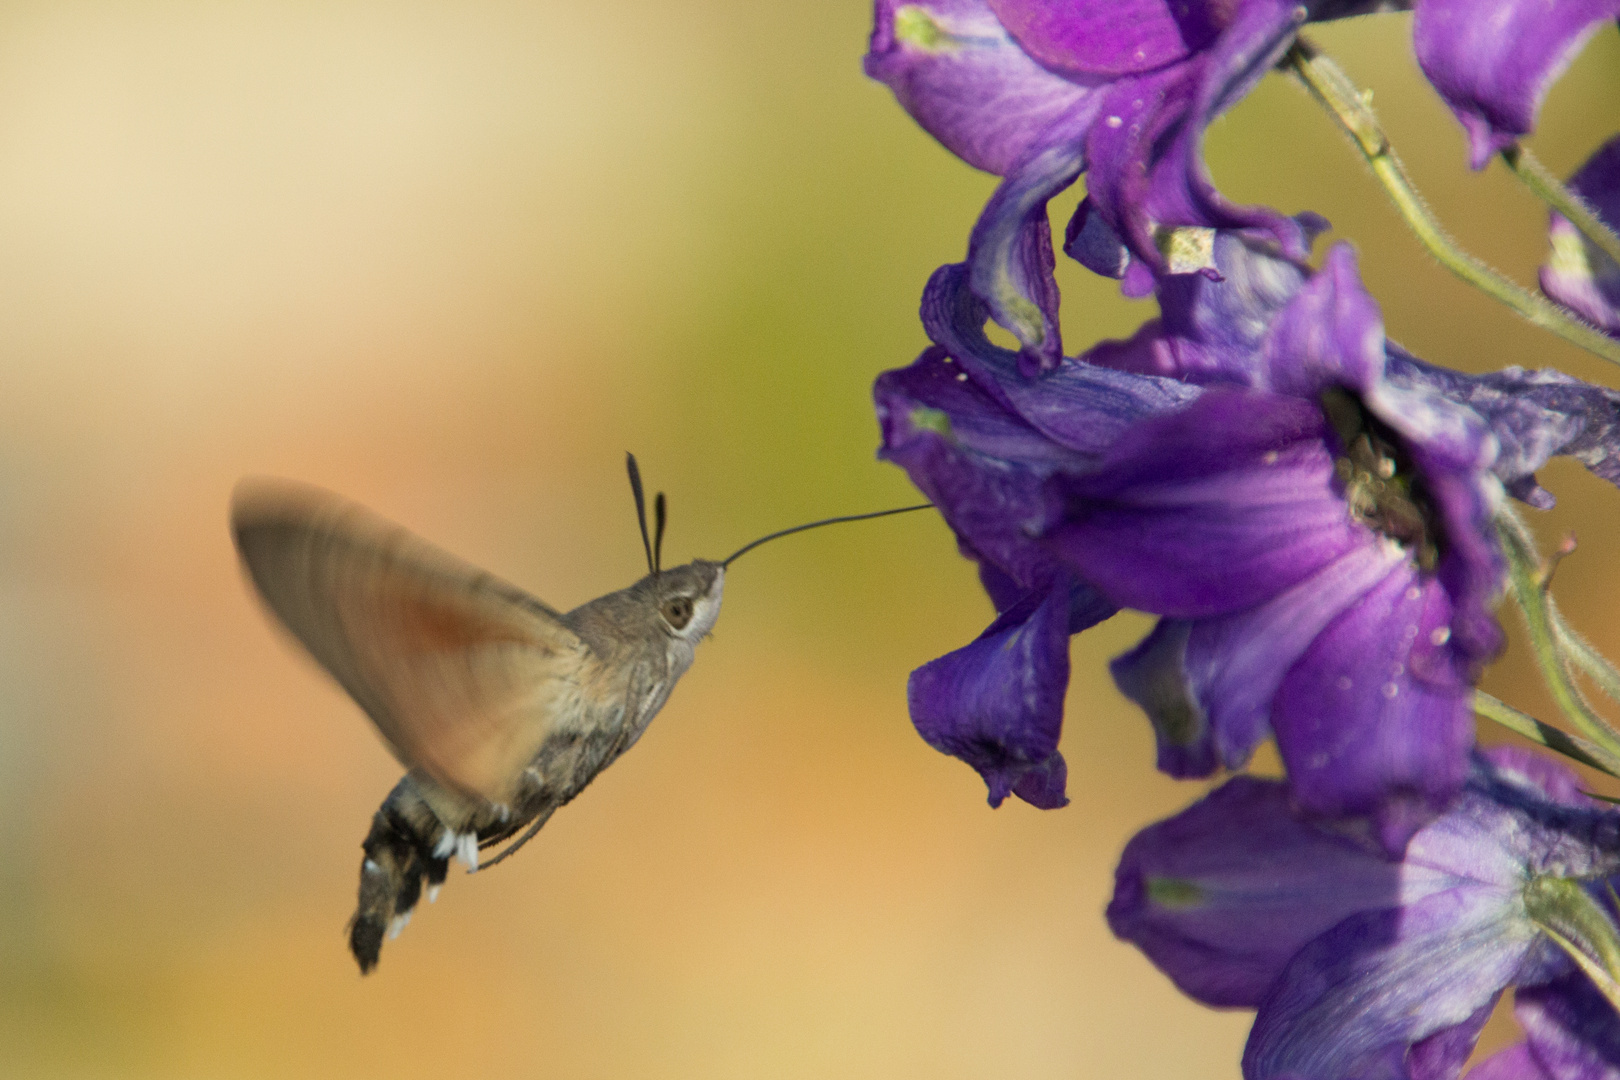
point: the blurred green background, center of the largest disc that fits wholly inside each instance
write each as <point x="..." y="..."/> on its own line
<point x="453" y="259"/>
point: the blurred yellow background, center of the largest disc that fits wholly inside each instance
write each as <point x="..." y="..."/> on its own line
<point x="453" y="259"/>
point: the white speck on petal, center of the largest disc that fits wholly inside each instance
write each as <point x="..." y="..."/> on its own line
<point x="1114" y="122"/>
<point x="1389" y="689"/>
<point x="1414" y="593"/>
<point x="1269" y="458"/>
<point x="1345" y="683"/>
<point x="1440" y="635"/>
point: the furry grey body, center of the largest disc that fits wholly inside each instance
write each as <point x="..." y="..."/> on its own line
<point x="635" y="656"/>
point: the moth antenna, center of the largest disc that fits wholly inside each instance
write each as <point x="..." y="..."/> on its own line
<point x="659" y="519"/>
<point x="818" y="524"/>
<point x="641" y="505"/>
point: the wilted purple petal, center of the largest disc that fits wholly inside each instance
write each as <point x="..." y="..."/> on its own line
<point x="1375" y="718"/>
<point x="997" y="703"/>
<point x="1578" y="274"/>
<point x="1146" y="148"/>
<point x="1493" y="60"/>
<point x="1010" y="249"/>
<point x="1082" y="407"/>
<point x="1571" y="1031"/>
<point x="1534" y="415"/>
<point x="1208" y="510"/>
<point x="953" y="67"/>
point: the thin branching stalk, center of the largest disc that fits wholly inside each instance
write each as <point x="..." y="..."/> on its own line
<point x="1352" y="109"/>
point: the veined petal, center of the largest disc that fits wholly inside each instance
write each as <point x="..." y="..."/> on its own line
<point x="959" y="74"/>
<point x="1493" y="60"/>
<point x="1578" y="274"/>
<point x="1209" y="510"/>
<point x="1375" y="718"/>
<point x="1350" y="1004"/>
<point x="997" y="703"/>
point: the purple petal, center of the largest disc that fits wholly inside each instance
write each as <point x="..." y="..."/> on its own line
<point x="1374" y="719"/>
<point x="1223" y="895"/>
<point x="1117" y="37"/>
<point x="986" y="470"/>
<point x="997" y="703"/>
<point x="1514" y="1063"/>
<point x="1493" y="60"/>
<point x="1209" y="510"/>
<point x="1572" y="1033"/>
<point x="1330" y="334"/>
<point x="1154" y="675"/>
<point x="953" y="67"/>
<point x="1353" y="1002"/>
<point x="1441" y="1055"/>
<point x="1578" y="274"/>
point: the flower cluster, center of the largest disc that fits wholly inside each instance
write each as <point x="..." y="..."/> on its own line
<point x="1312" y="513"/>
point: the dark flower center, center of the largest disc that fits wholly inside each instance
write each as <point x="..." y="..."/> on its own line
<point x="1381" y="485"/>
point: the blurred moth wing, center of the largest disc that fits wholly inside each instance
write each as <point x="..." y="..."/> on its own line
<point x="464" y="675"/>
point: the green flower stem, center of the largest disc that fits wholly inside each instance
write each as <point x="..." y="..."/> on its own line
<point x="1527" y="579"/>
<point x="1580" y="652"/>
<point x="1550" y="190"/>
<point x="1334" y="91"/>
<point x="1554" y="739"/>
<point x="1579" y="924"/>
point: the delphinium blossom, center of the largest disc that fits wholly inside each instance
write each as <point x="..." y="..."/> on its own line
<point x="1578" y="274"/>
<point x="1040" y="91"/>
<point x="1366" y="966"/>
<point x="1307" y="506"/>
<point x="1321" y="521"/>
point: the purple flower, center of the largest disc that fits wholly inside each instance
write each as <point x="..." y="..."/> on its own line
<point x="1039" y="91"/>
<point x="1365" y="966"/>
<point x="1578" y="274"/>
<point x="1493" y="60"/>
<point x="1309" y="509"/>
<point x="1571" y="1033"/>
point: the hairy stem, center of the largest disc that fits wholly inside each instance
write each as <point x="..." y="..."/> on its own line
<point x="1528" y="580"/>
<point x="1550" y="190"/>
<point x="1350" y="107"/>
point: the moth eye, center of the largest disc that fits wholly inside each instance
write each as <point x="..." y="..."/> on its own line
<point x="677" y="611"/>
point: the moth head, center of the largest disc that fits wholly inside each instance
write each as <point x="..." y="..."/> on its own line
<point x="689" y="598"/>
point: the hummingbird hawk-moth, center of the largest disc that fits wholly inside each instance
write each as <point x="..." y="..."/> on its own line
<point x="500" y="707"/>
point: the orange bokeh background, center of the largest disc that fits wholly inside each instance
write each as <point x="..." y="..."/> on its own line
<point x="453" y="260"/>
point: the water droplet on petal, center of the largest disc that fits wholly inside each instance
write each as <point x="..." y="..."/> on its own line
<point x="1389" y="689"/>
